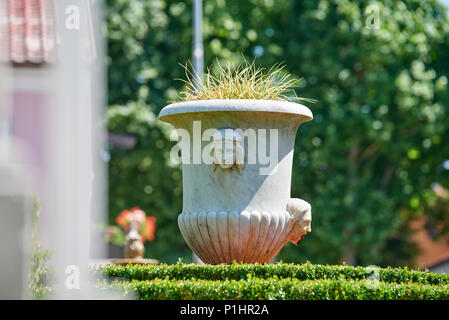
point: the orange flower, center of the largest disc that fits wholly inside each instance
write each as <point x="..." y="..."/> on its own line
<point x="134" y="214"/>
<point x="145" y="225"/>
<point x="121" y="220"/>
<point x="150" y="228"/>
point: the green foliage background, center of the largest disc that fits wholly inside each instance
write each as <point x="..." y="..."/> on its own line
<point x="367" y="161"/>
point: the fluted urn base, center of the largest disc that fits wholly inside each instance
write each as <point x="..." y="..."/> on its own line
<point x="244" y="237"/>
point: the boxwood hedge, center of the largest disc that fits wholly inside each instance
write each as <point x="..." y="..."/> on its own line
<point x="305" y="271"/>
<point x="272" y="281"/>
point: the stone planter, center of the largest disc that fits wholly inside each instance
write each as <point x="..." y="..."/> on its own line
<point x="236" y="166"/>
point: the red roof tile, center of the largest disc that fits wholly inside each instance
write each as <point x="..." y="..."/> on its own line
<point x="27" y="31"/>
<point x="431" y="252"/>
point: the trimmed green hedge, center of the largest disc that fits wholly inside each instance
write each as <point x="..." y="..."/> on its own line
<point x="272" y="281"/>
<point x="278" y="289"/>
<point x="305" y="271"/>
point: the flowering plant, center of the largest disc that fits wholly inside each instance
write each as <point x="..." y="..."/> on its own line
<point x="146" y="226"/>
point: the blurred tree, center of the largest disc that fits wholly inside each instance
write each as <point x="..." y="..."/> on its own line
<point x="367" y="161"/>
<point x="143" y="177"/>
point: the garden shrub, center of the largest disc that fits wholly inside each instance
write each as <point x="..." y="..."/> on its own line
<point x="276" y="281"/>
<point x="39" y="272"/>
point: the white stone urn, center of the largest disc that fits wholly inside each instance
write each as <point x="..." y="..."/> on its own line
<point x="237" y="160"/>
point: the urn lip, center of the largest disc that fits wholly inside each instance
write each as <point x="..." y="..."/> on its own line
<point x="239" y="105"/>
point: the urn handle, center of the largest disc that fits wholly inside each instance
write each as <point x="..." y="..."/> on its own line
<point x="300" y="219"/>
<point x="228" y="150"/>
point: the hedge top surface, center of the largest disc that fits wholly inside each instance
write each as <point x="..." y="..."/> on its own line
<point x="281" y="270"/>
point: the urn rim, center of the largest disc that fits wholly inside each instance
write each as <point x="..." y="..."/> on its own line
<point x="236" y="105"/>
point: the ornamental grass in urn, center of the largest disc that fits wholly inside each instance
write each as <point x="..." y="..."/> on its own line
<point x="236" y="131"/>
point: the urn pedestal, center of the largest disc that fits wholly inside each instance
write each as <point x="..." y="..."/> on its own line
<point x="236" y="165"/>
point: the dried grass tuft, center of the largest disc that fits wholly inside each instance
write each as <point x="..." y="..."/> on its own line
<point x="246" y="81"/>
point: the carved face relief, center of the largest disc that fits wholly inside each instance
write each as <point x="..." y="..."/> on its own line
<point x="227" y="150"/>
<point x="224" y="154"/>
<point x="300" y="219"/>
